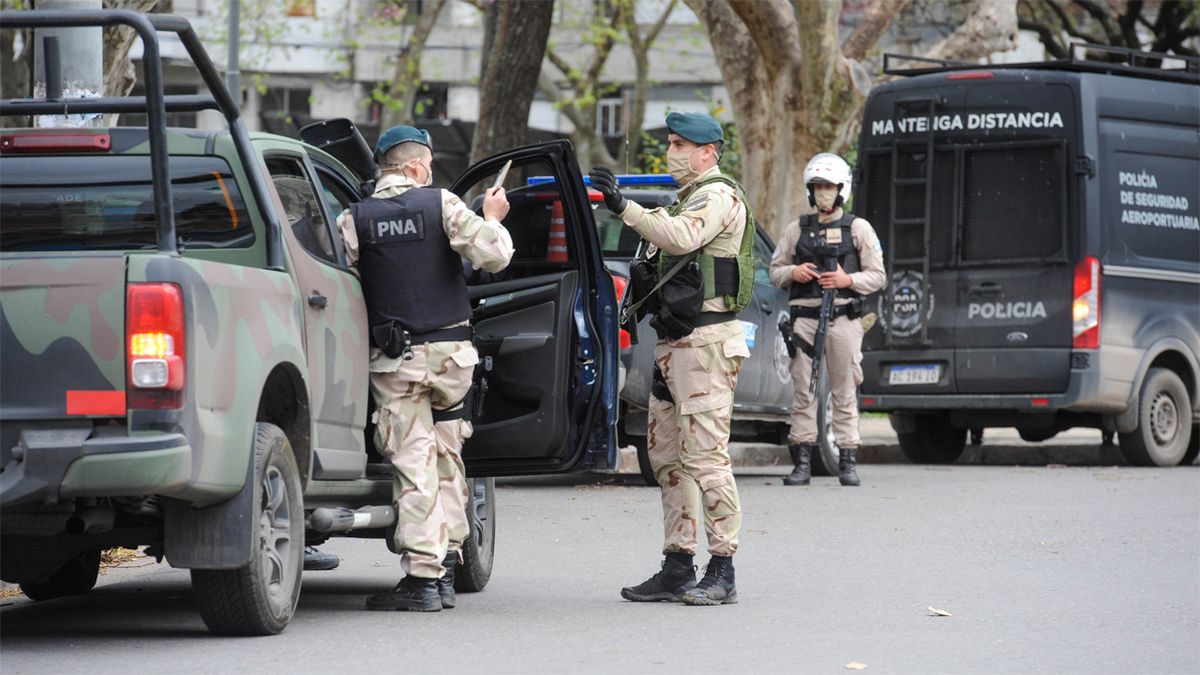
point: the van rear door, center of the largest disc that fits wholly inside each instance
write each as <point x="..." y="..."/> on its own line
<point x="1013" y="315"/>
<point x="993" y="315"/>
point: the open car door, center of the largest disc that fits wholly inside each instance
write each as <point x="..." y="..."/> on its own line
<point x="545" y="326"/>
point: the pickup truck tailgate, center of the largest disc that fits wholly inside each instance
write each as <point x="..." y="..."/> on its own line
<point x="62" y="332"/>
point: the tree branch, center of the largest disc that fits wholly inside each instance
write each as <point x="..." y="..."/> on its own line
<point x="1104" y="17"/>
<point x="874" y="23"/>
<point x="771" y="25"/>
<point x="1128" y="23"/>
<point x="991" y="26"/>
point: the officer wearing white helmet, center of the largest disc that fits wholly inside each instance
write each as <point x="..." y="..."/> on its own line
<point x="859" y="272"/>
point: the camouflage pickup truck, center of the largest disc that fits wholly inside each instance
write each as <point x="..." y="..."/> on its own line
<point x="185" y="348"/>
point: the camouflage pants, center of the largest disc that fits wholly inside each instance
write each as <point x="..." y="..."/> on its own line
<point x="843" y="362"/>
<point x="430" y="489"/>
<point x="688" y="444"/>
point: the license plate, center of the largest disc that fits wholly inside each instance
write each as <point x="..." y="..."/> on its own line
<point x="917" y="374"/>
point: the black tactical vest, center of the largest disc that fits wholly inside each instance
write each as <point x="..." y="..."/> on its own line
<point x="409" y="272"/>
<point x="810" y="232"/>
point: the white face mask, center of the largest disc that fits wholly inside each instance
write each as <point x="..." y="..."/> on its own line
<point x="679" y="165"/>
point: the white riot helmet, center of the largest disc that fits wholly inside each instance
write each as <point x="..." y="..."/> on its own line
<point x="827" y="167"/>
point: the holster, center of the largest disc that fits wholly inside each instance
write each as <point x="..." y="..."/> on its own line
<point x="788" y="335"/>
<point x="659" y="388"/>
<point x="391" y="338"/>
<point x="643" y="275"/>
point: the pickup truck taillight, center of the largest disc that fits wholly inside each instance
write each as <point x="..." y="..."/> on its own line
<point x="154" y="346"/>
<point x="1085" y="310"/>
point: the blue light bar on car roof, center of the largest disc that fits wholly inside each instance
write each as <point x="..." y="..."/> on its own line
<point x="626" y="180"/>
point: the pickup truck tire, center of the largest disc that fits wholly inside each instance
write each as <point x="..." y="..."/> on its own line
<point x="76" y="577"/>
<point x="825" y="459"/>
<point x="259" y="598"/>
<point x="1164" y="422"/>
<point x="934" y="441"/>
<point x="479" y="549"/>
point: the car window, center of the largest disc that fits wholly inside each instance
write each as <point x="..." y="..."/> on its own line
<point x="107" y="202"/>
<point x="543" y="241"/>
<point x="617" y="239"/>
<point x="306" y="215"/>
<point x="763" y="252"/>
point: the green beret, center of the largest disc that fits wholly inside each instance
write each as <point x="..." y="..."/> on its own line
<point x="401" y="134"/>
<point x="698" y="128"/>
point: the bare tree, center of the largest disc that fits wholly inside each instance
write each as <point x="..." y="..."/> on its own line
<point x="515" y="35"/>
<point x="1170" y="26"/>
<point x="398" y="94"/>
<point x="795" y="91"/>
<point x="640" y="44"/>
<point x="584" y="86"/>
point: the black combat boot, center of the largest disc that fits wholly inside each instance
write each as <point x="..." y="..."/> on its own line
<point x="316" y="560"/>
<point x="412" y="594"/>
<point x="846" y="473"/>
<point x="675" y="578"/>
<point x="802" y="458"/>
<point x="445" y="585"/>
<point x="717" y="587"/>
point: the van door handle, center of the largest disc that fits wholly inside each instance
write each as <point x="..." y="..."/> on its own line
<point x="987" y="288"/>
<point x="317" y="300"/>
<point x="766" y="308"/>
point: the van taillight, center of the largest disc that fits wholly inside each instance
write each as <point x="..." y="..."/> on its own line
<point x="621" y="283"/>
<point x="154" y="346"/>
<point x="1085" y="310"/>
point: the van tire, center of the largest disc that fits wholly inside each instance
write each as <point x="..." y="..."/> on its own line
<point x="76" y="577"/>
<point x="1163" y="433"/>
<point x="259" y="598"/>
<point x="478" y="551"/>
<point x="934" y="441"/>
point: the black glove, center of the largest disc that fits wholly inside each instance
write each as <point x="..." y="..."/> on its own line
<point x="605" y="183"/>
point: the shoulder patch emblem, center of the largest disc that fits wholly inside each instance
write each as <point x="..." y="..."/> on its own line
<point x="696" y="203"/>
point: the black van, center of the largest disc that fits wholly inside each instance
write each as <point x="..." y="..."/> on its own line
<point x="1041" y="229"/>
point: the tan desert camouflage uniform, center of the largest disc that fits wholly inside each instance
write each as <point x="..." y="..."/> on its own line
<point x="688" y="441"/>
<point x="430" y="489"/>
<point x="843" y="338"/>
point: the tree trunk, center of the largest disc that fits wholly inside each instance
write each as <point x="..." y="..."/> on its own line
<point x="119" y="73"/>
<point x="515" y="35"/>
<point x="16" y="73"/>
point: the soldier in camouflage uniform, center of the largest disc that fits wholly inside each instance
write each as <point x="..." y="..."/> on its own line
<point x="688" y="434"/>
<point x="406" y="241"/>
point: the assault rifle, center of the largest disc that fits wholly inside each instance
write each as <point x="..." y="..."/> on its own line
<point x="826" y="262"/>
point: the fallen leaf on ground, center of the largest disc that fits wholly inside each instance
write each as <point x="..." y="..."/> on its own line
<point x="855" y="665"/>
<point x="933" y="611"/>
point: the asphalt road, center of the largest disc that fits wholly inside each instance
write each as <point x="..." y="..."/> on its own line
<point x="1083" y="569"/>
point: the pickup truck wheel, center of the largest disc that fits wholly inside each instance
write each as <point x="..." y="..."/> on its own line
<point x="934" y="441"/>
<point x="76" y="577"/>
<point x="825" y="460"/>
<point x="259" y="598"/>
<point x="479" y="549"/>
<point x="1164" y="422"/>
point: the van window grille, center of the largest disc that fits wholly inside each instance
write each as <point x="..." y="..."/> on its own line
<point x="911" y="204"/>
<point x="1012" y="203"/>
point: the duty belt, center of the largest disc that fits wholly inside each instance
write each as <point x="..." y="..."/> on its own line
<point x="454" y="334"/>
<point x="711" y="318"/>
<point x="802" y="312"/>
